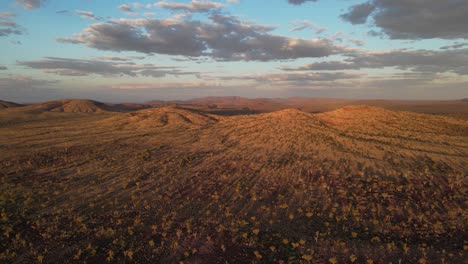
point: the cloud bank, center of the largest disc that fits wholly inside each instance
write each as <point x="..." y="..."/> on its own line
<point x="446" y="61"/>
<point x="224" y="38"/>
<point x="75" y="67"/>
<point x="414" y="19"/>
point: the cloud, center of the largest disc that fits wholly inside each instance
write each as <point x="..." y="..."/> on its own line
<point x="69" y="40"/>
<point x="62" y="12"/>
<point x="450" y="61"/>
<point x="114" y="58"/>
<point x="7" y="23"/>
<point x="9" y="27"/>
<point x="193" y="6"/>
<point x="75" y="67"/>
<point x="19" y="87"/>
<point x="10" y="31"/>
<point x="25" y="89"/>
<point x="125" y="8"/>
<point x="88" y="15"/>
<point x="7" y="15"/>
<point x="414" y="19"/>
<point x="300" y="2"/>
<point x="455" y="46"/>
<point x="2" y="68"/>
<point x="137" y="86"/>
<point x="358" y="14"/>
<point x="221" y="38"/>
<point x="302" y="25"/>
<point x="30" y="4"/>
<point x="22" y="89"/>
<point x="406" y="89"/>
<point x="130" y="8"/>
<point x="295" y="77"/>
<point x="24" y="81"/>
<point x="357" y="42"/>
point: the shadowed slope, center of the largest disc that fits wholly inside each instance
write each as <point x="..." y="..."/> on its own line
<point x="6" y="104"/>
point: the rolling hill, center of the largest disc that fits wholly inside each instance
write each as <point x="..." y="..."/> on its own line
<point x="239" y="105"/>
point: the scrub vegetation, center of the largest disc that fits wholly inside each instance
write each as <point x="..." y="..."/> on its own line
<point x="170" y="184"/>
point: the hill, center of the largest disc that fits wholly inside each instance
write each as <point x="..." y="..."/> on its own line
<point x="66" y="106"/>
<point x="6" y="104"/>
<point x="171" y="116"/>
<point x="375" y="119"/>
<point x="173" y="184"/>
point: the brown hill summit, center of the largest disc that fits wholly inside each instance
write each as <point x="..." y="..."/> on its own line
<point x="172" y="116"/>
<point x="6" y="104"/>
<point x="67" y="106"/>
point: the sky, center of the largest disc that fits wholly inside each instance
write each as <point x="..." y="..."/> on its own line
<point x="127" y="51"/>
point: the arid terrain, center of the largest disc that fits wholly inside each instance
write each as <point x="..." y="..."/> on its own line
<point x="234" y="180"/>
<point x="238" y="105"/>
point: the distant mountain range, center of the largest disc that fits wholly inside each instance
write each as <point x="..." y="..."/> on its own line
<point x="234" y="105"/>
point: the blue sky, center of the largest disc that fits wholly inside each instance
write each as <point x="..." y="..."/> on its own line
<point x="137" y="51"/>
